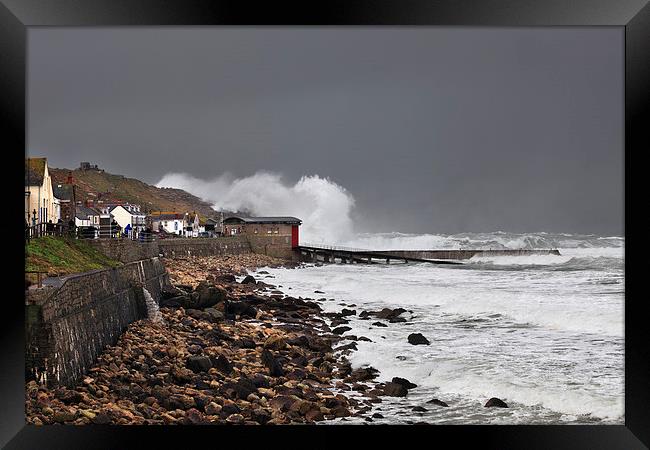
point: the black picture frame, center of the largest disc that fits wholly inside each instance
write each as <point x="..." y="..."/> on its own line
<point x="16" y="16"/>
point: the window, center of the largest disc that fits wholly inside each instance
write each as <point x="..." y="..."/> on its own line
<point x="268" y="232"/>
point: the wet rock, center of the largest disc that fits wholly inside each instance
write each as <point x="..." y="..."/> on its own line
<point x="209" y="295"/>
<point x="241" y="309"/>
<point x="404" y="382"/>
<point x="397" y="320"/>
<point x="379" y="324"/>
<point x="228" y="410"/>
<point x="395" y="390"/>
<point x="198" y="363"/>
<point x="341" y="330"/>
<point x="435" y="401"/>
<point x="222" y="364"/>
<point x="248" y="279"/>
<point x="417" y="339"/>
<point x="419" y="409"/>
<point x="348" y="312"/>
<point x="388" y="313"/>
<point x="275" y="342"/>
<point x="495" y="403"/>
<point x="272" y="364"/>
<point x="377" y="416"/>
<point x="363" y="374"/>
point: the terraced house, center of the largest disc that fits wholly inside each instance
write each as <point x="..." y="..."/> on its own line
<point x="41" y="205"/>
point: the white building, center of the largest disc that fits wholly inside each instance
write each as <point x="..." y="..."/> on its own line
<point x="169" y="222"/>
<point x="126" y="215"/>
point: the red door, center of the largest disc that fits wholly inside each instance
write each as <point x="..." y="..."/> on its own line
<point x="294" y="236"/>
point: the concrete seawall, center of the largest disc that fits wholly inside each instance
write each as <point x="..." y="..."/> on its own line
<point x="69" y="324"/>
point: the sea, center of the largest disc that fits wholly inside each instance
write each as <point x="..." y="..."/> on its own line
<point x="543" y="333"/>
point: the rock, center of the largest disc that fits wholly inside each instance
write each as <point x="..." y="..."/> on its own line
<point x="377" y="416"/>
<point x="241" y="389"/>
<point x="228" y="410"/>
<point x="299" y="341"/>
<point x="379" y="324"/>
<point x="397" y="320"/>
<point x="419" y="409"/>
<point x="260" y="416"/>
<point x="214" y="315"/>
<point x="275" y="342"/>
<point x="248" y="279"/>
<point x="235" y="418"/>
<point x="225" y="278"/>
<point x="314" y="415"/>
<point x="363" y="374"/>
<point x="404" y="382"/>
<point x="435" y="401"/>
<point x="242" y="309"/>
<point x="348" y="312"/>
<point x="496" y="403"/>
<point x="272" y="364"/>
<point x="101" y="419"/>
<point x="212" y="409"/>
<point x="341" y="330"/>
<point x="209" y="295"/>
<point x="417" y="339"/>
<point x="395" y="390"/>
<point x="388" y="313"/>
<point x="222" y="364"/>
<point x="198" y="363"/>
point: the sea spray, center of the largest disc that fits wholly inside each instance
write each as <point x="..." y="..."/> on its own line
<point x="322" y="205"/>
<point x="153" y="310"/>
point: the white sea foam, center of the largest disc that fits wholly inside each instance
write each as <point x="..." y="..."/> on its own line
<point x="323" y="205"/>
<point x="543" y="332"/>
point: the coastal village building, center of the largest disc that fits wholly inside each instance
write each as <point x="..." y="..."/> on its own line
<point x="193" y="226"/>
<point x="128" y="217"/>
<point x="281" y="226"/>
<point x="66" y="195"/>
<point x="86" y="216"/>
<point x="41" y="206"/>
<point x="170" y="222"/>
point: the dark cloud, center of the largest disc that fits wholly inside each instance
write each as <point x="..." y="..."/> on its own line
<point x="430" y="129"/>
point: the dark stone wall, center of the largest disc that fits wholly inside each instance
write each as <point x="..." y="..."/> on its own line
<point x="125" y="250"/>
<point x="69" y="326"/>
<point x="227" y="245"/>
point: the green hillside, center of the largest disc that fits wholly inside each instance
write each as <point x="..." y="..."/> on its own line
<point x="100" y="185"/>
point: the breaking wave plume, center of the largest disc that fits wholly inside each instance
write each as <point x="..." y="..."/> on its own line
<point x="322" y="205"/>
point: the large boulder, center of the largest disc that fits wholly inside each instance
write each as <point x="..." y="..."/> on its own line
<point x="388" y="313"/>
<point x="340" y="330"/>
<point x="272" y="364"/>
<point x="395" y="390"/>
<point x="209" y="295"/>
<point x="241" y="309"/>
<point x="248" y="279"/>
<point x="404" y="382"/>
<point x="495" y="403"/>
<point x="198" y="363"/>
<point x="417" y="339"/>
<point x="435" y="401"/>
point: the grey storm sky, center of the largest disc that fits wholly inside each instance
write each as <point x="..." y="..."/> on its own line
<point x="431" y="129"/>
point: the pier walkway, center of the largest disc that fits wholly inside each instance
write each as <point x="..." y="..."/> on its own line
<point x="328" y="253"/>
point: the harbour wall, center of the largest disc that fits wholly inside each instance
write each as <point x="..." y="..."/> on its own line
<point x="71" y="321"/>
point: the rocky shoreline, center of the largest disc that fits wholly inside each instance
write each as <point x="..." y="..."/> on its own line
<point x="225" y="352"/>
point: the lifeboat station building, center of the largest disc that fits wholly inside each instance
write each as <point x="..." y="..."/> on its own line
<point x="263" y="226"/>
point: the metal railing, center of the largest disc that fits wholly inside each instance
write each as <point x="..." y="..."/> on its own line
<point x="87" y="232"/>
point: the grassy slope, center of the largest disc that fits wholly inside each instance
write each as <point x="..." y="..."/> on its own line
<point x="62" y="256"/>
<point x="117" y="187"/>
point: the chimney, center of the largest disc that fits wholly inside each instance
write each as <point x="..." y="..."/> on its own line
<point x="69" y="180"/>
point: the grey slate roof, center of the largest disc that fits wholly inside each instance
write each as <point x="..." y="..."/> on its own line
<point x="82" y="212"/>
<point x="63" y="191"/>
